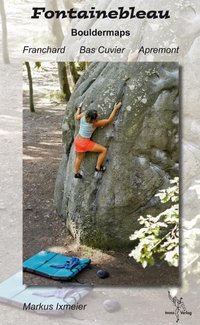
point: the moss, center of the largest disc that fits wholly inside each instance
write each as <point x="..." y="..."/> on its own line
<point x="98" y="239"/>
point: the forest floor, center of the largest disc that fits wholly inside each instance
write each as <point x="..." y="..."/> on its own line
<point x="43" y="228"/>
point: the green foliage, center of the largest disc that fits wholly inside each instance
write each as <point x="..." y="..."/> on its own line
<point x="159" y="236"/>
<point x="57" y="97"/>
<point x="81" y="66"/>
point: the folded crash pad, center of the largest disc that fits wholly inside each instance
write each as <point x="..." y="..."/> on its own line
<point x="55" y="266"/>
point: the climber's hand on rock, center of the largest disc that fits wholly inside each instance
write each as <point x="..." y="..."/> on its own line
<point x="80" y="105"/>
<point x="78" y="114"/>
<point x="117" y="106"/>
<point x="78" y="110"/>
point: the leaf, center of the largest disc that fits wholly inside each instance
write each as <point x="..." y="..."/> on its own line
<point x="150" y="236"/>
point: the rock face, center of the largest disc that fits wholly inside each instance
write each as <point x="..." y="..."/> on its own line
<point x="142" y="151"/>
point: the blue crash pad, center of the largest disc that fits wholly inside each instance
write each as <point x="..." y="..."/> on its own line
<point x="55" y="266"/>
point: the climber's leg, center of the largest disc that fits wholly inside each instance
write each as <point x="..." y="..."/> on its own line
<point x="102" y="154"/>
<point x="79" y="158"/>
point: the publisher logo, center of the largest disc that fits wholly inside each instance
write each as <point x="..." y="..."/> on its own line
<point x="179" y="307"/>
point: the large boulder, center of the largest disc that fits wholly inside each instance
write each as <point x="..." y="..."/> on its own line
<point x="142" y="151"/>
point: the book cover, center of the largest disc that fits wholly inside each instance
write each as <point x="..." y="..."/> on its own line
<point x="99" y="162"/>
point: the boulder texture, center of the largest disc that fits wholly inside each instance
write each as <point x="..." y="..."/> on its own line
<point x="142" y="151"/>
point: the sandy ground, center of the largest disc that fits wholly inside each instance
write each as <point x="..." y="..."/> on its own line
<point x="43" y="228"/>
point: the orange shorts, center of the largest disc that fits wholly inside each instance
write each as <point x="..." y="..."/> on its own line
<point x="83" y="144"/>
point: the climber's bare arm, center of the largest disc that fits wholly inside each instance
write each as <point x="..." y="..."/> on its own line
<point x="109" y="120"/>
<point x="78" y="114"/>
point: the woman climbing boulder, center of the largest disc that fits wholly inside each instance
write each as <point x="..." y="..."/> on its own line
<point x="89" y="121"/>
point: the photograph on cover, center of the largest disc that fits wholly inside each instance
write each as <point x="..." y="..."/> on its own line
<point x="101" y="173"/>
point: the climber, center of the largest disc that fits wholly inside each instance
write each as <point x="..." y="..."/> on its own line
<point x="89" y="121"/>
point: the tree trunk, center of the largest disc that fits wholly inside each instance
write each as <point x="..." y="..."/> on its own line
<point x="74" y="73"/>
<point x="54" y="24"/>
<point x="68" y="4"/>
<point x="31" y="102"/>
<point x="64" y="85"/>
<point x="4" y="33"/>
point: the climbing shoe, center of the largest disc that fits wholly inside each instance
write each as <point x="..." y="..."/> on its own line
<point x="102" y="169"/>
<point x="78" y="175"/>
